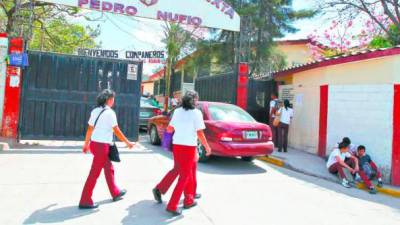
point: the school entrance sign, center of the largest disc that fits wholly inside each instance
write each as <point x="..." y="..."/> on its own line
<point x="204" y="13"/>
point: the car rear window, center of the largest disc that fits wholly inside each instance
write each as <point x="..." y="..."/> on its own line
<point x="229" y="113"/>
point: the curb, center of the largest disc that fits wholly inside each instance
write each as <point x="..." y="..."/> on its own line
<point x="4" y="146"/>
<point x="281" y="163"/>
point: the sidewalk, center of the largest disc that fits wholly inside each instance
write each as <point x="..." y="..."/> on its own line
<point x="314" y="165"/>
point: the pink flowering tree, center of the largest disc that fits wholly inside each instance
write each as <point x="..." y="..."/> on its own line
<point x="349" y="35"/>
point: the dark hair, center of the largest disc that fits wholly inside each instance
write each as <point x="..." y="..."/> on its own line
<point x="104" y="96"/>
<point x="188" y="100"/>
<point x="286" y="103"/>
<point x="361" y="147"/>
<point x="343" y="145"/>
<point x="346" y="140"/>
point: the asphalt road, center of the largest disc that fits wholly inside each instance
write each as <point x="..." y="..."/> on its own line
<point x="44" y="187"/>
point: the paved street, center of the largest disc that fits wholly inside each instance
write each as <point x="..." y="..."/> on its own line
<point x="44" y="186"/>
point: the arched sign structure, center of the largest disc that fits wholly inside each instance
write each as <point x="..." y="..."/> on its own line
<point x="204" y="13"/>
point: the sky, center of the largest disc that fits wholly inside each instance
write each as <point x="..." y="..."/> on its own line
<point x="134" y="34"/>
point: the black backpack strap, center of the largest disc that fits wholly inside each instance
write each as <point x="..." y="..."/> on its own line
<point x="99" y="116"/>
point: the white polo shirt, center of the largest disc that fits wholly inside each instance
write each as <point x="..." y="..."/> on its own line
<point x="332" y="157"/>
<point x="103" y="132"/>
<point x="286" y="115"/>
<point x="186" y="123"/>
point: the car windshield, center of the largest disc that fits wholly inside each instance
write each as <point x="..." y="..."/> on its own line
<point x="145" y="102"/>
<point x="229" y="113"/>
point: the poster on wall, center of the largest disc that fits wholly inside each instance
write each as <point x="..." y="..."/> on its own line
<point x="132" y="72"/>
<point x="200" y="13"/>
<point x="286" y="92"/>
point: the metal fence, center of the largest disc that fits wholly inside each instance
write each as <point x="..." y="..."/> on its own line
<point x="219" y="88"/>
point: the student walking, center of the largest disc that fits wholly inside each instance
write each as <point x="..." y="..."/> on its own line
<point x="187" y="124"/>
<point x="286" y="115"/>
<point x="102" y="125"/>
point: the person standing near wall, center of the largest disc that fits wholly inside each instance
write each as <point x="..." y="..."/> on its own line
<point x="273" y="108"/>
<point x="286" y="115"/>
<point x="99" y="136"/>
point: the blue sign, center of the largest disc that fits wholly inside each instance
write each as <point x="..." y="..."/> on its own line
<point x="19" y="59"/>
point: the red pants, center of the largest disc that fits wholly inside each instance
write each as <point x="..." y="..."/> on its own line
<point x="168" y="179"/>
<point x="100" y="161"/>
<point x="337" y="168"/>
<point x="365" y="178"/>
<point x="184" y="159"/>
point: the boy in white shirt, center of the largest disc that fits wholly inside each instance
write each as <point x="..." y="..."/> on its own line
<point x="336" y="162"/>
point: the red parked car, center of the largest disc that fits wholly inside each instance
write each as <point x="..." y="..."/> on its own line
<point x="231" y="132"/>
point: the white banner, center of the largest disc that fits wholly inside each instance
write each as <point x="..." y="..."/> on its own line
<point x="204" y="13"/>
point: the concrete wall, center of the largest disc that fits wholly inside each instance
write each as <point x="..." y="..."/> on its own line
<point x="305" y="127"/>
<point x="365" y="114"/>
<point x="295" y="54"/>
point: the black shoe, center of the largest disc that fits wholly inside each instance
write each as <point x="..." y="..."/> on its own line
<point x="177" y="212"/>
<point x="197" y="196"/>
<point x="157" y="195"/>
<point x="372" y="190"/>
<point x="190" y="206"/>
<point x="285" y="150"/>
<point x="380" y="184"/>
<point x="94" y="206"/>
<point x="279" y="150"/>
<point x="119" y="196"/>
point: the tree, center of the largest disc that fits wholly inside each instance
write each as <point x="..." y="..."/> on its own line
<point x="45" y="27"/>
<point x="262" y="22"/>
<point x="179" y="41"/>
<point x="374" y="9"/>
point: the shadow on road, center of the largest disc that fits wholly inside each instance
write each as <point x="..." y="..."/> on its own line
<point x="50" y="214"/>
<point x="216" y="165"/>
<point x="229" y="166"/>
<point x="148" y="212"/>
<point x="391" y="202"/>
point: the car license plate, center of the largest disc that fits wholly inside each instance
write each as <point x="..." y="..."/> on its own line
<point x="251" y="135"/>
<point x="145" y="114"/>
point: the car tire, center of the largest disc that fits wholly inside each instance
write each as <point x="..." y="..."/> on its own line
<point x="202" y="153"/>
<point x="154" y="138"/>
<point x="247" y="159"/>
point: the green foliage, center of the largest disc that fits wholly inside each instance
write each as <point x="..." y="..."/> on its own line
<point x="61" y="36"/>
<point x="45" y="26"/>
<point x="262" y="22"/>
<point x="380" y="42"/>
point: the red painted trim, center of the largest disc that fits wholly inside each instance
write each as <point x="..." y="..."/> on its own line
<point x="293" y="42"/>
<point x="323" y="120"/>
<point x="340" y="60"/>
<point x="3" y="35"/>
<point x="11" y="104"/>
<point x="396" y="137"/>
<point x="243" y="80"/>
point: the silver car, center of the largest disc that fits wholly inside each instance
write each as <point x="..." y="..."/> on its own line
<point x="147" y="110"/>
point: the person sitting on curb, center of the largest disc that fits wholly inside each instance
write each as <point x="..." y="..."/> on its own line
<point x="336" y="163"/>
<point x="368" y="169"/>
<point x="352" y="147"/>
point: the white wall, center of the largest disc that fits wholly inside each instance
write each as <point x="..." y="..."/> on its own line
<point x="365" y="114"/>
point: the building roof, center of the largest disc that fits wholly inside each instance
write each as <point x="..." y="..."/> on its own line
<point x="347" y="58"/>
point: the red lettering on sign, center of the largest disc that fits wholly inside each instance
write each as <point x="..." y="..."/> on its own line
<point x="119" y="8"/>
<point x="94" y="4"/>
<point x="106" y="6"/>
<point x="131" y="10"/>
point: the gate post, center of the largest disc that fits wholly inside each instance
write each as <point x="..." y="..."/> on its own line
<point x="12" y="94"/>
<point x="3" y="66"/>
<point x="242" y="82"/>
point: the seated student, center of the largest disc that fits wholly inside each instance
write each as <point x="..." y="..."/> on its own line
<point x="336" y="163"/>
<point x="352" y="147"/>
<point x="368" y="169"/>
